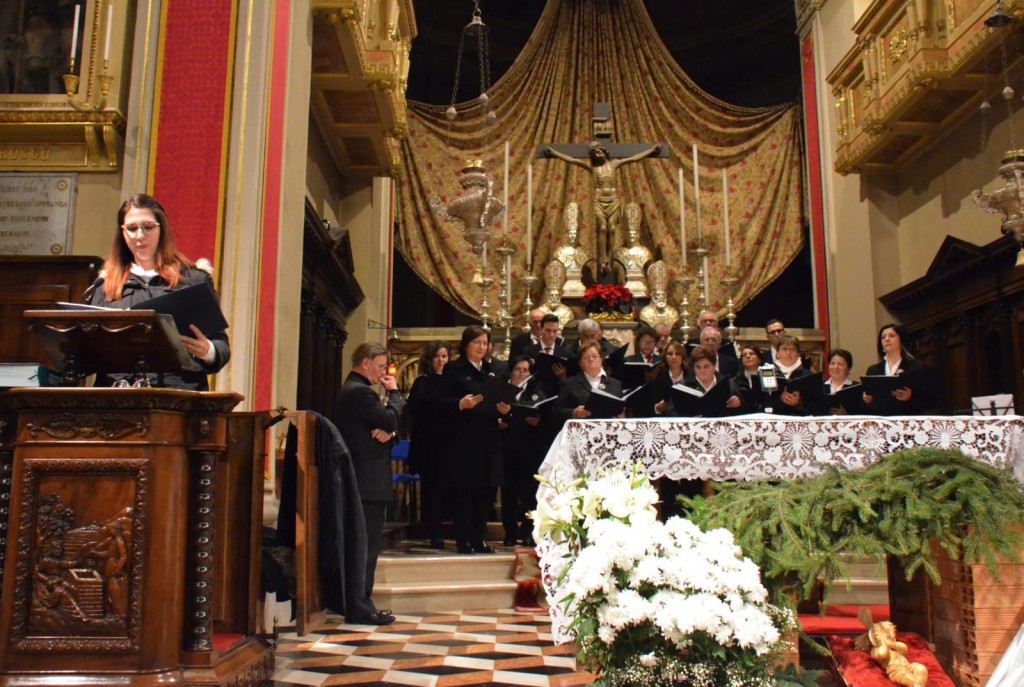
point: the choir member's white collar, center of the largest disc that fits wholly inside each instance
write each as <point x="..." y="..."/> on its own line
<point x="833" y="389"/>
<point x="595" y="382"/>
<point x="714" y="380"/>
<point x="893" y="370"/>
<point x="788" y="369"/>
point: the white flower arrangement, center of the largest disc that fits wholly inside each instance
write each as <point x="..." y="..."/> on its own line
<point x="655" y="603"/>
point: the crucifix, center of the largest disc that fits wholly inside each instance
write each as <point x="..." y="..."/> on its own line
<point x="602" y="159"/>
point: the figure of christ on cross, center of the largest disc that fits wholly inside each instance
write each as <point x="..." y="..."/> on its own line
<point x="607" y="204"/>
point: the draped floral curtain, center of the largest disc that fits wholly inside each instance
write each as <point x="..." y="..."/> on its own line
<point x="583" y="52"/>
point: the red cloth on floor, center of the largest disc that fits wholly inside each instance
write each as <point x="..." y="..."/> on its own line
<point x="860" y="670"/>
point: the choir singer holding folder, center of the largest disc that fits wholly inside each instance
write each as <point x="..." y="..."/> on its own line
<point x="577" y="389"/>
<point x="145" y="263"/>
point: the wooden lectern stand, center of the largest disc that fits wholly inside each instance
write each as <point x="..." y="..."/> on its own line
<point x="131" y="545"/>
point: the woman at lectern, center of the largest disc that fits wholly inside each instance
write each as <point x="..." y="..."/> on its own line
<point x="915" y="395"/>
<point x="143" y="263"/>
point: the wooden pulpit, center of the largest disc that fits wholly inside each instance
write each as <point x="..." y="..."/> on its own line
<point x="130" y="529"/>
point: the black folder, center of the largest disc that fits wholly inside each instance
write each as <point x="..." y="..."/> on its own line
<point x="196" y="304"/>
<point x="633" y="373"/>
<point x="542" y="364"/>
<point x="808" y="386"/>
<point x="602" y="404"/>
<point x="879" y="386"/>
<point x="496" y="390"/>
<point x="522" y="411"/>
<point x="690" y="402"/>
<point x="849" y="398"/>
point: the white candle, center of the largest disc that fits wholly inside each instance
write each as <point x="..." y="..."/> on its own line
<point x="696" y="189"/>
<point x="504" y="224"/>
<point x="74" y="36"/>
<point x="529" y="216"/>
<point x="110" y="24"/>
<point x="682" y="219"/>
<point x="725" y="210"/>
<point x="483" y="260"/>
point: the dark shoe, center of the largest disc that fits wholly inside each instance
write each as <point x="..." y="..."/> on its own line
<point x="528" y="541"/>
<point x="509" y="541"/>
<point x="482" y="548"/>
<point x="437" y="543"/>
<point x="378" y="618"/>
<point x="465" y="549"/>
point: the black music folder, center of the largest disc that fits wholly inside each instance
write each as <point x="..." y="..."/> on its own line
<point x="543" y="362"/>
<point x="690" y="402"/>
<point x="634" y="373"/>
<point x="196" y="304"/>
<point x="883" y="385"/>
<point x="496" y="390"/>
<point x="602" y="404"/>
<point x="808" y="386"/>
<point x="522" y="411"/>
<point x="849" y="398"/>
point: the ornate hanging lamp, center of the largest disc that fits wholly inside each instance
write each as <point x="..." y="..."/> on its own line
<point x="476" y="30"/>
<point x="1009" y="199"/>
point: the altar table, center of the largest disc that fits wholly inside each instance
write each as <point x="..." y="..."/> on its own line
<point x="758" y="446"/>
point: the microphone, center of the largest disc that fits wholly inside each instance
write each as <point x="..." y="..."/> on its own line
<point x="89" y="291"/>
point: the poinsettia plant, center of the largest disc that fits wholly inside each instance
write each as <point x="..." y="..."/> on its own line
<point x="602" y="298"/>
<point x="651" y="603"/>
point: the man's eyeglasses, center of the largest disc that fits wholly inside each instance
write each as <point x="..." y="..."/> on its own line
<point x="146" y="227"/>
<point x="776" y="332"/>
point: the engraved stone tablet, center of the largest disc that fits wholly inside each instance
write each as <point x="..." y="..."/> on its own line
<point x="36" y="213"/>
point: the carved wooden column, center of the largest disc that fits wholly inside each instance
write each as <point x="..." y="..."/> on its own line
<point x="115" y="518"/>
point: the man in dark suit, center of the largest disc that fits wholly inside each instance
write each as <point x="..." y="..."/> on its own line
<point x="368" y="428"/>
<point x="521" y="344"/>
<point x="549" y="344"/>
<point x="727" y="363"/>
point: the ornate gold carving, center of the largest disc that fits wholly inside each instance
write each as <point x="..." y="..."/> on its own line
<point x="898" y="46"/>
<point x="69" y="426"/>
<point x="951" y="15"/>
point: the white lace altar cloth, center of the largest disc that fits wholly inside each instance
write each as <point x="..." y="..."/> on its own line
<point x="755" y="447"/>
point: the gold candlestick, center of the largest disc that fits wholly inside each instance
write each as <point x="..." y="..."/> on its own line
<point x="729" y="282"/>
<point x="528" y="281"/>
<point x="701" y="253"/>
<point x="684" y="284"/>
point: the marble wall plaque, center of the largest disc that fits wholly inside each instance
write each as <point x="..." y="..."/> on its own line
<point x="37" y="212"/>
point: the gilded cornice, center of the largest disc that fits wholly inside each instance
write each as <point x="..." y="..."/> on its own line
<point x="805" y="9"/>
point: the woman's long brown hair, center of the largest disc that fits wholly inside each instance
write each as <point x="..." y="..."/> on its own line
<point x="169" y="261"/>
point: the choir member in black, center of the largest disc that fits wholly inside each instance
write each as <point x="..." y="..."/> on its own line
<point x="840" y="362"/>
<point x="577" y="388"/>
<point x="549" y="343"/>
<point x="644" y="342"/>
<point x="523" y="447"/>
<point x="748" y="380"/>
<point x="671" y="373"/>
<point x="789" y="365"/>
<point x="428" y="436"/>
<point x="589" y="330"/>
<point x="725" y="354"/>
<point x="521" y="343"/>
<point x="774" y="331"/>
<point x="473" y="458"/>
<point x="705" y="319"/>
<point x="704" y="377"/>
<point x="143" y="263"/>
<point x="896" y="360"/>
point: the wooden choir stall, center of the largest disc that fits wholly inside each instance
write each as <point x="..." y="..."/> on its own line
<point x="130" y="523"/>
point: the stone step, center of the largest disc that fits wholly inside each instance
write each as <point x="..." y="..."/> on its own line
<point x="439" y="568"/>
<point x="415" y="579"/>
<point x="417" y="599"/>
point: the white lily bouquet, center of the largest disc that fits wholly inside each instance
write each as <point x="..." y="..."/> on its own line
<point x="651" y="603"/>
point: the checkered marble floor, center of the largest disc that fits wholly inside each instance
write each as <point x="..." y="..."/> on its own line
<point x="444" y="650"/>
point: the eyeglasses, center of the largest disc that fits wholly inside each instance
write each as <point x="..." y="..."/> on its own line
<point x="776" y="332"/>
<point x="146" y="227"/>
